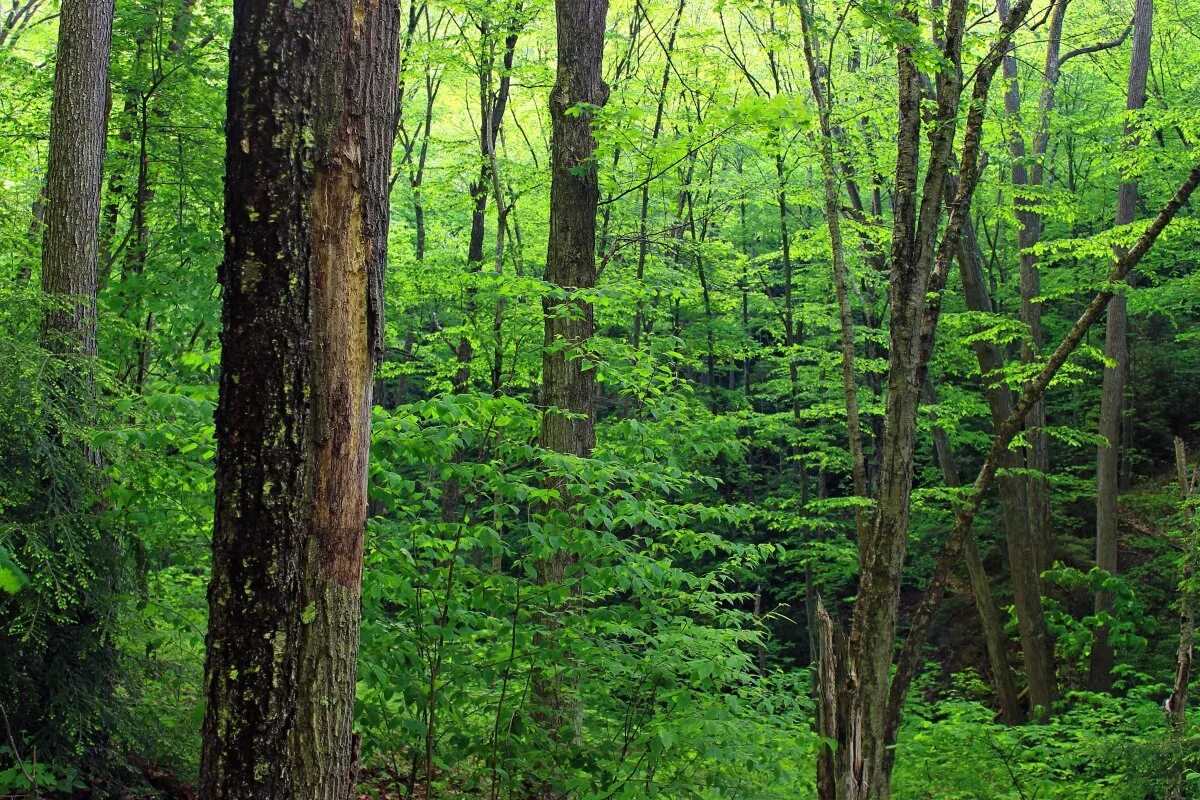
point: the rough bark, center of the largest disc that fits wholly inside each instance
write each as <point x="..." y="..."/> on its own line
<point x="78" y="133"/>
<point x="1112" y="393"/>
<point x="568" y="387"/>
<point x="310" y="128"/>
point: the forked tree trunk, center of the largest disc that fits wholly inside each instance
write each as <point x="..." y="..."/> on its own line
<point x="568" y="385"/>
<point x="1112" y="393"/>
<point x="920" y="258"/>
<point x="310" y="128"/>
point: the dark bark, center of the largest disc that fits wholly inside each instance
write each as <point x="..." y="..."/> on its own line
<point x="1112" y="393"/>
<point x="568" y="386"/>
<point x="310" y="128"/>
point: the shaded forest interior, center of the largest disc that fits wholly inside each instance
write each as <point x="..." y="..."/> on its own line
<point x="599" y="399"/>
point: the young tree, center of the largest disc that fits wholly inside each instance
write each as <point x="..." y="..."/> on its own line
<point x="310" y="128"/>
<point x="1116" y="348"/>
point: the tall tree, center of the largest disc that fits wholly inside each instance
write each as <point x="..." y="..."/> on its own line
<point x="856" y="673"/>
<point x="1116" y="373"/>
<point x="310" y="128"/>
<point x="78" y="132"/>
<point x="568" y="381"/>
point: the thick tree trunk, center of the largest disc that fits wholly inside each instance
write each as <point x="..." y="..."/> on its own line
<point x="1112" y="393"/>
<point x="310" y="128"/>
<point x="78" y="133"/>
<point x="568" y="387"/>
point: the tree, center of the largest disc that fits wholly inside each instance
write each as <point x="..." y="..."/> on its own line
<point x="856" y="675"/>
<point x="1116" y="373"/>
<point x="78" y="131"/>
<point x="310" y="128"/>
<point x="58" y="686"/>
<point x="568" y="380"/>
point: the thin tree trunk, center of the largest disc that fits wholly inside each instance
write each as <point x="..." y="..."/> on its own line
<point x="1028" y="235"/>
<point x="644" y="212"/>
<point x="310" y="127"/>
<point x="1036" y="643"/>
<point x="1112" y="393"/>
<point x="833" y="221"/>
<point x="568" y="388"/>
<point x="1176" y="705"/>
<point x="981" y="588"/>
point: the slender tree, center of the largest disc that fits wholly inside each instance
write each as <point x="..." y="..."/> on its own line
<point x="310" y="128"/>
<point x="855" y="708"/>
<point x="1116" y="373"/>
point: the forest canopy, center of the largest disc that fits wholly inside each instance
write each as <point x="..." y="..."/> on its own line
<point x="599" y="399"/>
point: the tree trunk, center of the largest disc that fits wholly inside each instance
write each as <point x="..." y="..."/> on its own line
<point x="1028" y="235"/>
<point x="78" y="134"/>
<point x="1036" y="644"/>
<point x="981" y="588"/>
<point x="1112" y="393"/>
<point x="919" y="261"/>
<point x="1176" y="705"/>
<point x="833" y="221"/>
<point x="568" y="387"/>
<point x="310" y="128"/>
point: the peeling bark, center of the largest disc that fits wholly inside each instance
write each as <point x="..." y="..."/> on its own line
<point x="310" y="130"/>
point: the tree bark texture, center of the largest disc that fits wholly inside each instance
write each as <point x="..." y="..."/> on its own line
<point x="78" y="133"/>
<point x="568" y="387"/>
<point x="309" y="137"/>
<point x="1112" y="392"/>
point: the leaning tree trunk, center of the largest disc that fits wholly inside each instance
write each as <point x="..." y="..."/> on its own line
<point x="1112" y="393"/>
<point x="568" y="384"/>
<point x="310" y="127"/>
<point x="78" y="133"/>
